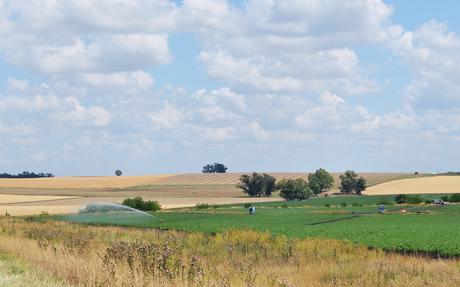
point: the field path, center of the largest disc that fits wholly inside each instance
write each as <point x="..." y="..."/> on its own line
<point x="431" y="184"/>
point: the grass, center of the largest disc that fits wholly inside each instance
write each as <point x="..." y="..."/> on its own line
<point x="428" y="229"/>
<point x="83" y="255"/>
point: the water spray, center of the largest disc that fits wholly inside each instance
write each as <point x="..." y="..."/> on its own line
<point x="106" y="207"/>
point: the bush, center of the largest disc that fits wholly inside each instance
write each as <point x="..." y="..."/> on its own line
<point x="384" y="201"/>
<point x="285" y="205"/>
<point x="327" y="205"/>
<point x="404" y="198"/>
<point x="247" y="205"/>
<point x="202" y="206"/>
<point x="445" y="198"/>
<point x="343" y="204"/>
<point x="455" y="197"/>
<point x="139" y="204"/>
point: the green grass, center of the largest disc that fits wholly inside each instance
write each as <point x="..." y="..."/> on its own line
<point x="428" y="229"/>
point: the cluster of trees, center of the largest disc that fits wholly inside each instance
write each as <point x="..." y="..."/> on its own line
<point x="139" y="204"/>
<point x="258" y="185"/>
<point x="26" y="174"/>
<point x="214" y="168"/>
<point x="351" y="182"/>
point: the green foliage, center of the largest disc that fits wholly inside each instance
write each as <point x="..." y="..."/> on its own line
<point x="214" y="168"/>
<point x="139" y="204"/>
<point x="247" y="205"/>
<point x="320" y="181"/>
<point x="118" y="172"/>
<point x="434" y="233"/>
<point x="455" y="197"/>
<point x="343" y="204"/>
<point x="350" y="182"/>
<point x="294" y="189"/>
<point x="284" y="206"/>
<point x="202" y="206"/>
<point x="409" y="199"/>
<point x="445" y="198"/>
<point x="257" y="184"/>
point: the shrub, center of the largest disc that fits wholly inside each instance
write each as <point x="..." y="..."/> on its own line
<point x="445" y="198"/>
<point x="327" y="205"/>
<point x="139" y="204"/>
<point x="284" y="205"/>
<point x="384" y="201"/>
<point x="343" y="204"/>
<point x="404" y="198"/>
<point x="455" y="197"/>
<point x="202" y="206"/>
<point x="247" y="205"/>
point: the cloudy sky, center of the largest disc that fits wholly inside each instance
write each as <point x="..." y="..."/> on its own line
<point x="157" y="86"/>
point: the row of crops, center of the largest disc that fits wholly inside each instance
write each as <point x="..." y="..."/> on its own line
<point x="426" y="228"/>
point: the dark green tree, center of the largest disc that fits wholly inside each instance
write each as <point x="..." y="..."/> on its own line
<point x="294" y="189"/>
<point x="257" y="184"/>
<point x="118" y="172"/>
<point x="320" y="181"/>
<point x="351" y="182"/>
<point x="214" y="168"/>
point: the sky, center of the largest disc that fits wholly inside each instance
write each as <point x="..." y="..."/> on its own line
<point x="157" y="86"/>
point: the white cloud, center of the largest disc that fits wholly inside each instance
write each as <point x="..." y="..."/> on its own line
<point x="138" y="79"/>
<point x="168" y="117"/>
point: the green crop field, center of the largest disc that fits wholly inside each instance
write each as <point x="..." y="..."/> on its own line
<point x="429" y="229"/>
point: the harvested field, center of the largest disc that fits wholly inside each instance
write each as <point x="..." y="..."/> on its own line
<point x="432" y="184"/>
<point x="80" y="182"/>
<point x="232" y="178"/>
<point x="12" y="198"/>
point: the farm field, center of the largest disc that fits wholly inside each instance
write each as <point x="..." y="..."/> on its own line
<point x="85" y="255"/>
<point x="172" y="191"/>
<point x="431" y="184"/>
<point x="436" y="227"/>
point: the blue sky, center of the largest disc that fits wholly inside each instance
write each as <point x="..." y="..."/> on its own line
<point x="87" y="87"/>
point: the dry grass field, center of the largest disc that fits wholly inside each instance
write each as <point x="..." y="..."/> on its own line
<point x="431" y="184"/>
<point x="79" y="255"/>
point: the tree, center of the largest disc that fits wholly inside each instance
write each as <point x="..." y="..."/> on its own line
<point x="320" y="181"/>
<point x="214" y="168"/>
<point x="257" y="185"/>
<point x="118" y="172"/>
<point x="294" y="189"/>
<point x="350" y="182"/>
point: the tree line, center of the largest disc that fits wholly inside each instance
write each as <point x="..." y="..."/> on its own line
<point x="263" y="184"/>
<point x="26" y="174"/>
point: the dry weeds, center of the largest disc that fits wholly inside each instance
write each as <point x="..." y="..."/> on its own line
<point x="105" y="256"/>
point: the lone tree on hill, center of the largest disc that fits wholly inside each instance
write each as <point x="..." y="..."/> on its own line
<point x="294" y="189"/>
<point x="118" y="172"/>
<point x="350" y="182"/>
<point x="214" y="168"/>
<point x="257" y="184"/>
<point x="320" y="181"/>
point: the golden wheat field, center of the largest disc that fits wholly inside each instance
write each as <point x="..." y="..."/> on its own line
<point x="432" y="184"/>
<point x="80" y="182"/>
